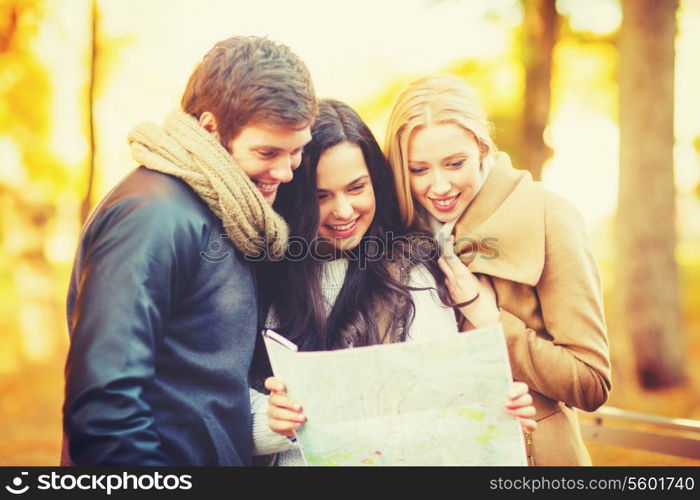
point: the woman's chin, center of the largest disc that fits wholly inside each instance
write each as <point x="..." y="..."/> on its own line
<point x="335" y="247"/>
<point x="444" y="216"/>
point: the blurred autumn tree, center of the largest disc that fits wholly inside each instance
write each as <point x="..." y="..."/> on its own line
<point x="648" y="273"/>
<point x="27" y="195"/>
<point x="26" y="90"/>
<point x="43" y="197"/>
<point x="540" y="25"/>
<point x="548" y="64"/>
<point x="86" y="204"/>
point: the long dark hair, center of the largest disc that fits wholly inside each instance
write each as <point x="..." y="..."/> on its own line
<point x="374" y="304"/>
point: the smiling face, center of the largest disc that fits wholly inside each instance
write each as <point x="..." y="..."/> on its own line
<point x="345" y="196"/>
<point x="269" y="154"/>
<point x="444" y="169"/>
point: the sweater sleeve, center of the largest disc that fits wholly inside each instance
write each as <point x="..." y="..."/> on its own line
<point x="570" y="361"/>
<point x="265" y="441"/>
<point x="432" y="317"/>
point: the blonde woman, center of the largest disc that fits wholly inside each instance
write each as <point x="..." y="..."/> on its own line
<point x="513" y="252"/>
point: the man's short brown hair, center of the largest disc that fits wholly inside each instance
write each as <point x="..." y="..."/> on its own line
<point x="245" y="80"/>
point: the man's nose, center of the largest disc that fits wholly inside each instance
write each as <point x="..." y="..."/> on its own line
<point x="282" y="170"/>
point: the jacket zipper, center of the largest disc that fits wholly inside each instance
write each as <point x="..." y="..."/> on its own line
<point x="528" y="448"/>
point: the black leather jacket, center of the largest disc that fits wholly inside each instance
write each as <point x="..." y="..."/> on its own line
<point x="162" y="314"/>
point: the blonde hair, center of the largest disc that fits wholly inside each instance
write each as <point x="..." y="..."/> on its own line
<point x="434" y="100"/>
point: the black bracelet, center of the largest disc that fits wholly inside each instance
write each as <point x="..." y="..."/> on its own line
<point x="467" y="302"/>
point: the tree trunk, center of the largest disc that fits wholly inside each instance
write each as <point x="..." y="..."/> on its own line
<point x="540" y="25"/>
<point x="86" y="205"/>
<point x="647" y="268"/>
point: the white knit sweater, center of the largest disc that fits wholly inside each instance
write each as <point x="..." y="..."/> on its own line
<point x="431" y="318"/>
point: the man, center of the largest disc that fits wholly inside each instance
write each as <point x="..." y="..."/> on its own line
<point x="162" y="306"/>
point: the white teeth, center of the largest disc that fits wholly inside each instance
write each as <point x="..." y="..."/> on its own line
<point x="446" y="203"/>
<point x="343" y="227"/>
<point x="266" y="187"/>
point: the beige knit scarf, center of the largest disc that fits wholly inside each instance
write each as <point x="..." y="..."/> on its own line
<point x="183" y="149"/>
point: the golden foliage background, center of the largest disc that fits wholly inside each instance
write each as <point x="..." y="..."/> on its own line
<point x="362" y="53"/>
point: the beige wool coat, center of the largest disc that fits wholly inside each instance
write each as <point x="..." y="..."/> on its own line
<point x="535" y="248"/>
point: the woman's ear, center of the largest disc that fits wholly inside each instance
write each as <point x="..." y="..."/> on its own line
<point x="483" y="154"/>
<point x="483" y="151"/>
<point x="208" y="122"/>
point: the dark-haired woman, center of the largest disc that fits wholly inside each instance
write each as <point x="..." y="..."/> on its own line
<point x="358" y="286"/>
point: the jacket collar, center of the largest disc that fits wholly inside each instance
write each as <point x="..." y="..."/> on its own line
<point x="501" y="233"/>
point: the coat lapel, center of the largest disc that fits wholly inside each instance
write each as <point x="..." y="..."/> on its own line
<point x="502" y="232"/>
